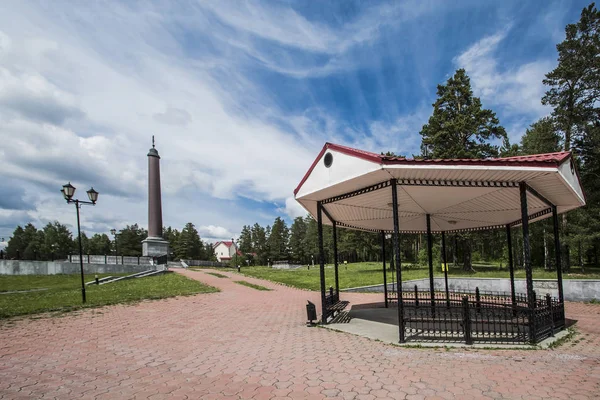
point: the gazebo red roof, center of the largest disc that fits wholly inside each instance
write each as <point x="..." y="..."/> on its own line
<point x="541" y="160"/>
<point x="226" y="243"/>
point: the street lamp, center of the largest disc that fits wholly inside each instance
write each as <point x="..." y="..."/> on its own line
<point x="68" y="191"/>
<point x="114" y="233"/>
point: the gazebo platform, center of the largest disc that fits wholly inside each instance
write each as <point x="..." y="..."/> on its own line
<point x="392" y="196"/>
<point x="376" y="322"/>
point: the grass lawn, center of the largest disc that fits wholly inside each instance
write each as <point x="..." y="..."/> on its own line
<point x="64" y="292"/>
<point x="252" y="285"/>
<point x="218" y="275"/>
<point x="370" y="273"/>
<point x="9" y="283"/>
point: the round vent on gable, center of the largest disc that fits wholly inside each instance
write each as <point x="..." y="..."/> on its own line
<point x="328" y="160"/>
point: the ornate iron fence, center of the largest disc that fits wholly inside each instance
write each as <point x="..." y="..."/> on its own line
<point x="478" y="316"/>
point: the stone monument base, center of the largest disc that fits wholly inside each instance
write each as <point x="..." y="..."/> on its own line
<point x="154" y="247"/>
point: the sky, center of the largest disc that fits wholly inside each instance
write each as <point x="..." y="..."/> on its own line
<point x="240" y="95"/>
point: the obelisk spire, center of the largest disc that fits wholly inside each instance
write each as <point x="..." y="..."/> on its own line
<point x="154" y="196"/>
<point x="154" y="245"/>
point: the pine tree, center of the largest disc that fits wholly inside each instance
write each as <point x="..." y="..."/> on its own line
<point x="130" y="240"/>
<point x="58" y="240"/>
<point x="587" y="232"/>
<point x="459" y="126"/>
<point x="259" y="244"/>
<point x="297" y="237"/>
<point x="311" y="240"/>
<point x="541" y="137"/>
<point x="16" y="244"/>
<point x="278" y="240"/>
<point x="574" y="94"/>
<point x="85" y="248"/>
<point x="245" y="240"/>
<point x="209" y="252"/>
<point x="171" y="235"/>
<point x="34" y="243"/>
<point x="267" y="249"/>
<point x="574" y="84"/>
<point x="99" y="244"/>
<point x="189" y="246"/>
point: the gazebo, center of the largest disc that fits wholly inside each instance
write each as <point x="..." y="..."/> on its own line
<point x="356" y="189"/>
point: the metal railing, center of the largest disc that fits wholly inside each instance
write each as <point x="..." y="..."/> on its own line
<point x="479" y="316"/>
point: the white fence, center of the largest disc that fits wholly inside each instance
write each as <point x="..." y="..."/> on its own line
<point x="25" y="267"/>
<point x="105" y="259"/>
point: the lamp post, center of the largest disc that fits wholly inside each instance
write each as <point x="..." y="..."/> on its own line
<point x="114" y="233"/>
<point x="68" y="191"/>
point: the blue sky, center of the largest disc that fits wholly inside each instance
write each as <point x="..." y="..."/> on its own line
<point x="241" y="96"/>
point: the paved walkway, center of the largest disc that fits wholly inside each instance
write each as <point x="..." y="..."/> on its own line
<point x="244" y="343"/>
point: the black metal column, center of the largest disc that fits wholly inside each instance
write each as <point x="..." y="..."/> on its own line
<point x="527" y="260"/>
<point x="430" y="259"/>
<point x="335" y="260"/>
<point x="445" y="261"/>
<point x="558" y="255"/>
<point x="511" y="268"/>
<point x="80" y="253"/>
<point x="385" y="292"/>
<point x="321" y="261"/>
<point x="397" y="256"/>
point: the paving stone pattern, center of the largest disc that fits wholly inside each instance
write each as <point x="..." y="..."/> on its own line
<point x="243" y="343"/>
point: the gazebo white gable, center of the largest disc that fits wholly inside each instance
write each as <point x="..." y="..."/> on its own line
<point x="354" y="187"/>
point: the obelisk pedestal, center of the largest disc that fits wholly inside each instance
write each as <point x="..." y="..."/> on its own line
<point x="154" y="244"/>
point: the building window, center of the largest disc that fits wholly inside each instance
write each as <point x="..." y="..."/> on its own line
<point x="328" y="160"/>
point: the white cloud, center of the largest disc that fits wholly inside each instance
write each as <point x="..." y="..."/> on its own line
<point x="82" y="107"/>
<point x="293" y="209"/>
<point x="283" y="25"/>
<point x="400" y="135"/>
<point x="212" y="233"/>
<point x="174" y="116"/>
<point x="327" y="49"/>
<point x="517" y="91"/>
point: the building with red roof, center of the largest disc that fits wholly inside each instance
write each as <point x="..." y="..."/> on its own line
<point x="225" y="250"/>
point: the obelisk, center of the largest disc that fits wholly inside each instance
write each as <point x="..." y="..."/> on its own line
<point x="154" y="244"/>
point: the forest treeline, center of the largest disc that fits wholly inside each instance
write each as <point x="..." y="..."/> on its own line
<point x="56" y="241"/>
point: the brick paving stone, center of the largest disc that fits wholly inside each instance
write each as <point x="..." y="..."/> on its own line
<point x="242" y="343"/>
